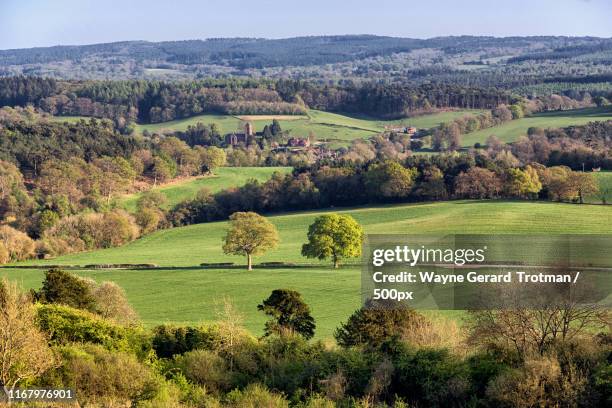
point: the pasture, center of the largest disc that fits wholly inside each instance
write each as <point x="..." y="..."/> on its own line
<point x="224" y="177"/>
<point x="512" y="130"/>
<point x="182" y="292"/>
<point x="332" y="127"/>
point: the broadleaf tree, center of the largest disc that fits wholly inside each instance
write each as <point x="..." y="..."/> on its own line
<point x="290" y="314"/>
<point x="249" y="234"/>
<point x="334" y="236"/>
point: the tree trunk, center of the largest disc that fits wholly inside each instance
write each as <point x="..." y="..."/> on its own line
<point x="336" y="262"/>
<point x="249" y="262"/>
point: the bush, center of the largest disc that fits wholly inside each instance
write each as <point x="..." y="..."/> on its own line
<point x="169" y="341"/>
<point x="67" y="325"/>
<point x="16" y="245"/>
<point x="374" y="324"/>
<point x="103" y="378"/>
<point x="111" y="303"/>
<point x="255" y="396"/>
<point x="91" y="231"/>
<point x="432" y="378"/>
<point x="540" y="382"/>
<point x="205" y="368"/>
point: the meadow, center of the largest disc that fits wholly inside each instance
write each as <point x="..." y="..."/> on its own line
<point x="511" y="131"/>
<point x="182" y="292"/>
<point x="183" y="189"/>
<point x="336" y="128"/>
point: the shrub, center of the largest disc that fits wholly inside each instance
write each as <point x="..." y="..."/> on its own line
<point x="255" y="396"/>
<point x="169" y="341"/>
<point x="104" y="378"/>
<point x="205" y="368"/>
<point x="111" y="303"/>
<point x="432" y="378"/>
<point x="16" y="244"/>
<point x="539" y="382"/>
<point x="373" y="324"/>
<point x="66" y="325"/>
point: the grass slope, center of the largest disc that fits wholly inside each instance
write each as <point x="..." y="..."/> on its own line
<point x="188" y="294"/>
<point x="223" y="178"/>
<point x="511" y="131"/>
<point x="325" y="125"/>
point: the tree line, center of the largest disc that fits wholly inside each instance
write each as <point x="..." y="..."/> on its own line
<point x="158" y="101"/>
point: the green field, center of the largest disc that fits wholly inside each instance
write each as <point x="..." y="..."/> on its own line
<point x="511" y="131"/>
<point x="223" y="178"/>
<point x="331" y="127"/>
<point x="324" y="125"/>
<point x="184" y="293"/>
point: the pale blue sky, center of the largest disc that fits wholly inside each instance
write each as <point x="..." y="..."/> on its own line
<point x="29" y="23"/>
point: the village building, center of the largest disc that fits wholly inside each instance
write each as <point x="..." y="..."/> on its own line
<point x="236" y="138"/>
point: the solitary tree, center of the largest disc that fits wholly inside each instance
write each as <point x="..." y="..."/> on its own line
<point x="333" y="236"/>
<point x="249" y="234"/>
<point x="289" y="314"/>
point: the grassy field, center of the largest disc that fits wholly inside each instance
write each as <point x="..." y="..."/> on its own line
<point x="224" y="177"/>
<point x="511" y="131"/>
<point x="184" y="293"/>
<point x="324" y="125"/>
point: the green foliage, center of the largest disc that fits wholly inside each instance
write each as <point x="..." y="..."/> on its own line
<point x="205" y="368"/>
<point x="103" y="378"/>
<point x="255" y="396"/>
<point x="61" y="287"/>
<point x="289" y="313"/>
<point x="169" y="341"/>
<point x="525" y="183"/>
<point x="433" y="378"/>
<point x="249" y="234"/>
<point x="66" y="325"/>
<point x="390" y="179"/>
<point x="333" y="236"/>
<point x="376" y="323"/>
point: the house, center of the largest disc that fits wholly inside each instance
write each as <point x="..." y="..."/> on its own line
<point x="298" y="142"/>
<point x="410" y="130"/>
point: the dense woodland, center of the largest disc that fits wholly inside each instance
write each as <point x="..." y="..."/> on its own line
<point x="153" y="101"/>
<point x="512" y="62"/>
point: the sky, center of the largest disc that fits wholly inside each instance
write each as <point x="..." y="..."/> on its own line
<point x="34" y="23"/>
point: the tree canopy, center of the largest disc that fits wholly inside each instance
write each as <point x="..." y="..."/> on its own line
<point x="249" y="234"/>
<point x="333" y="236"/>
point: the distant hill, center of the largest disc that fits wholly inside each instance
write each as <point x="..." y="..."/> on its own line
<point x="366" y="56"/>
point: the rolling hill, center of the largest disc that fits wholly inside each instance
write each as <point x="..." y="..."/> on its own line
<point x="224" y="177"/>
<point x="337" y="128"/>
<point x="183" y="292"/>
<point x="511" y="131"/>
